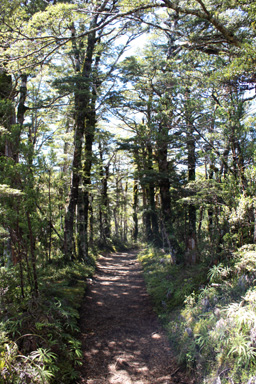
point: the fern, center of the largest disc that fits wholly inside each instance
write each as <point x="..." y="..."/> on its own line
<point x="218" y="272"/>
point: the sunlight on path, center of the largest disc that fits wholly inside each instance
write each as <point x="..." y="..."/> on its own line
<point x="123" y="341"/>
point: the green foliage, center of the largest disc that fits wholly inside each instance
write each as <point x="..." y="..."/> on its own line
<point x="215" y="330"/>
<point x="246" y="260"/>
<point x="168" y="284"/>
<point x="6" y="191"/>
<point x="183" y="100"/>
<point x="218" y="272"/>
<point x="36" y="367"/>
<point x="45" y="328"/>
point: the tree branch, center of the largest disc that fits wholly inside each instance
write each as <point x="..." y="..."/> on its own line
<point x="205" y="15"/>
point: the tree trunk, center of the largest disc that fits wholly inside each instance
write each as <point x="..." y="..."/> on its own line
<point x="169" y="240"/>
<point x="85" y="125"/>
<point x="125" y="232"/>
<point x="73" y="196"/>
<point x="135" y="211"/>
<point x="151" y="197"/>
<point x="7" y="114"/>
<point x="91" y="223"/>
<point x="33" y="256"/>
<point x="105" y="231"/>
<point x="146" y="215"/>
<point x="90" y="122"/>
<point x="191" y="159"/>
<point x="153" y="215"/>
<point x="191" y="177"/>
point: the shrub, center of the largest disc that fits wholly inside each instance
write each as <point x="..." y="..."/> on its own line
<point x="16" y="368"/>
<point x="39" y="341"/>
<point x="215" y="329"/>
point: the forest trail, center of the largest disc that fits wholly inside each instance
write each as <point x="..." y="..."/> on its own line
<point x="122" y="339"/>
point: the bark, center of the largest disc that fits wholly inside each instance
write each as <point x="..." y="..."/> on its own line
<point x="125" y="227"/>
<point x="191" y="159"/>
<point x="153" y="214"/>
<point x="73" y="197"/>
<point x="33" y="256"/>
<point x="77" y="159"/>
<point x="11" y="150"/>
<point x="191" y="177"/>
<point x="115" y="210"/>
<point x="50" y="217"/>
<point x="83" y="209"/>
<point x="224" y="168"/>
<point x="210" y="210"/>
<point x="236" y="114"/>
<point x="200" y="221"/>
<point x="85" y="125"/>
<point x="169" y="240"/>
<point x="66" y="148"/>
<point x="146" y="215"/>
<point x="204" y="14"/>
<point x="238" y="161"/>
<point x="91" y="223"/>
<point x="105" y="232"/>
<point x="105" y="202"/>
<point x="21" y="114"/>
<point x="151" y="196"/>
<point x="144" y="162"/>
<point x="116" y="222"/>
<point x="135" y="211"/>
<point x="7" y="114"/>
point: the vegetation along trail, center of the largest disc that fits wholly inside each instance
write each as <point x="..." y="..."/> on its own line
<point x="123" y="341"/>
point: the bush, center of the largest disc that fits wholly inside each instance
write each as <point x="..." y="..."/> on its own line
<point x="39" y="341"/>
<point x="169" y="284"/>
<point x="36" y="368"/>
<point x="215" y="329"/>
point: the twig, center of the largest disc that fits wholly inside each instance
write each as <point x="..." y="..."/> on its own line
<point x="176" y="370"/>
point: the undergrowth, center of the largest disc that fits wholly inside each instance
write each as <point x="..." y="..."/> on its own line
<point x="39" y="335"/>
<point x="209" y="313"/>
<point x="169" y="284"/>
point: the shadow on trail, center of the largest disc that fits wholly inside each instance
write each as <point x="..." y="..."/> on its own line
<point x="123" y="341"/>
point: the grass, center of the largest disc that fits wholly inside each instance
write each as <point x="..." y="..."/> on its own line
<point x="209" y="313"/>
<point x="169" y="284"/>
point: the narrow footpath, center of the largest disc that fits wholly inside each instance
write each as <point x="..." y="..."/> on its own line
<point x="123" y="341"/>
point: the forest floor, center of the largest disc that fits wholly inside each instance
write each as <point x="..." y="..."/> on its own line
<point x="122" y="339"/>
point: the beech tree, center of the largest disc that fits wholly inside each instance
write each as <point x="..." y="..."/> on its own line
<point x="182" y="175"/>
<point x="186" y="100"/>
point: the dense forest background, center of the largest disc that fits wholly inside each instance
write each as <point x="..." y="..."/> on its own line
<point x="104" y="146"/>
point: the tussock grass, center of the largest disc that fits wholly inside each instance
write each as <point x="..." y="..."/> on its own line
<point x="209" y="313"/>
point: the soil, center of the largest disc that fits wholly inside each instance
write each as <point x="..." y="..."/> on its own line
<point x="123" y="341"/>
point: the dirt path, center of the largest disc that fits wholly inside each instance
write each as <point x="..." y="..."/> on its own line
<point x="123" y="341"/>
